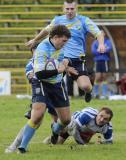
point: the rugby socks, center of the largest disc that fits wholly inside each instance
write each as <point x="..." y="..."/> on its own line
<point x="28" y="133"/>
<point x="18" y="139"/>
<point x="104" y="89"/>
<point x="57" y="127"/>
<point x="96" y="90"/>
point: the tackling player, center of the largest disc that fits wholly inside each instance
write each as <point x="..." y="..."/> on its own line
<point x="86" y="123"/>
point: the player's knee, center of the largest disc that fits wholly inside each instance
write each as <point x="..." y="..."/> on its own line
<point x="87" y="87"/>
<point x="66" y="122"/>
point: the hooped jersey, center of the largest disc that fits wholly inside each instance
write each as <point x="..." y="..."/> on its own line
<point x="87" y="127"/>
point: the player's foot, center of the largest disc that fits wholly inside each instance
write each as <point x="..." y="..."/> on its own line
<point x="10" y="149"/>
<point x="21" y="150"/>
<point x="54" y="138"/>
<point x="28" y="114"/>
<point x="88" y="97"/>
<point x="47" y="140"/>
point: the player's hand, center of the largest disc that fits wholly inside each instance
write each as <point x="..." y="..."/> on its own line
<point x="65" y="62"/>
<point x="30" y="43"/>
<point x="101" y="48"/>
<point x="61" y="68"/>
<point x="71" y="71"/>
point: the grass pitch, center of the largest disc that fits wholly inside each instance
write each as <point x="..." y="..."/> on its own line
<point x="12" y="119"/>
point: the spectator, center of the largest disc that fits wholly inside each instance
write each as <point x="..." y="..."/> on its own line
<point x="101" y="68"/>
<point x="122" y="84"/>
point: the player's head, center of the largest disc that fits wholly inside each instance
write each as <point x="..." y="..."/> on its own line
<point x="104" y="116"/>
<point x="59" y="35"/>
<point x="70" y="8"/>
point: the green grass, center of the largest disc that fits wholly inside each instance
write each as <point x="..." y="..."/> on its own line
<point x="11" y="114"/>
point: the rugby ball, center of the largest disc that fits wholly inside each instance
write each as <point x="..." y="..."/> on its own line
<point x="51" y="64"/>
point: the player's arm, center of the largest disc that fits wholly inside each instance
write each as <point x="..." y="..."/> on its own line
<point x="69" y="70"/>
<point x="44" y="74"/>
<point x="101" y="46"/>
<point x="108" y="46"/>
<point x="72" y="130"/>
<point x="108" y="138"/>
<point x="29" y="70"/>
<point x="94" y="48"/>
<point x="94" y="30"/>
<point x="73" y="127"/>
<point x="42" y="35"/>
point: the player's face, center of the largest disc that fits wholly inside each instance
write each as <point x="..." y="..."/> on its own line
<point x="70" y="9"/>
<point x="102" y="118"/>
<point x="59" y="42"/>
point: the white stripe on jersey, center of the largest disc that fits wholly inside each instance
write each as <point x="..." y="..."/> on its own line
<point x="89" y="111"/>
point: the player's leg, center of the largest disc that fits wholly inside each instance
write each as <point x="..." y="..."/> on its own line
<point x="62" y="137"/>
<point x="38" y="110"/>
<point x="84" y="84"/>
<point x="37" y="114"/>
<point x="54" y="118"/>
<point x="96" y="87"/>
<point x="13" y="146"/>
<point x="98" y="79"/>
<point x="28" y="113"/>
<point x="83" y="81"/>
<point x="64" y="120"/>
<point x="61" y="102"/>
<point x="104" y="85"/>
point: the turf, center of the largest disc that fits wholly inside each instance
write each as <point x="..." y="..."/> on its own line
<point x="11" y="115"/>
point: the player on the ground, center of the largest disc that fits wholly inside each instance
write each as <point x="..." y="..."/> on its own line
<point x="86" y="123"/>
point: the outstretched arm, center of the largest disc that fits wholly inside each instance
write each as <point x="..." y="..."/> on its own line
<point x="43" y="33"/>
<point x="38" y="37"/>
<point x="101" y="46"/>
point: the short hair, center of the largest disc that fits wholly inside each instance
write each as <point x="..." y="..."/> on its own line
<point x="60" y="31"/>
<point x="108" y="111"/>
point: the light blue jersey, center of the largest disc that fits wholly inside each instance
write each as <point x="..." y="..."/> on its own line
<point x="44" y="51"/>
<point x="79" y="26"/>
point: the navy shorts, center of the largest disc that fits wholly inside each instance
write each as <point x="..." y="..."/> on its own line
<point x="51" y="109"/>
<point x="79" y="65"/>
<point x="44" y="92"/>
<point x="101" y="66"/>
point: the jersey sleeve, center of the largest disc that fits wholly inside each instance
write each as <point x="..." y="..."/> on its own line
<point x="40" y="57"/>
<point x="108" y="46"/>
<point x="94" y="48"/>
<point x="83" y="119"/>
<point x="91" y="27"/>
<point x="108" y="135"/>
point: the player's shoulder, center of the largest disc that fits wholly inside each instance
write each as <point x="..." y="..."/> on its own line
<point x="59" y="17"/>
<point x="81" y="17"/>
<point x="43" y="45"/>
<point x="90" y="111"/>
